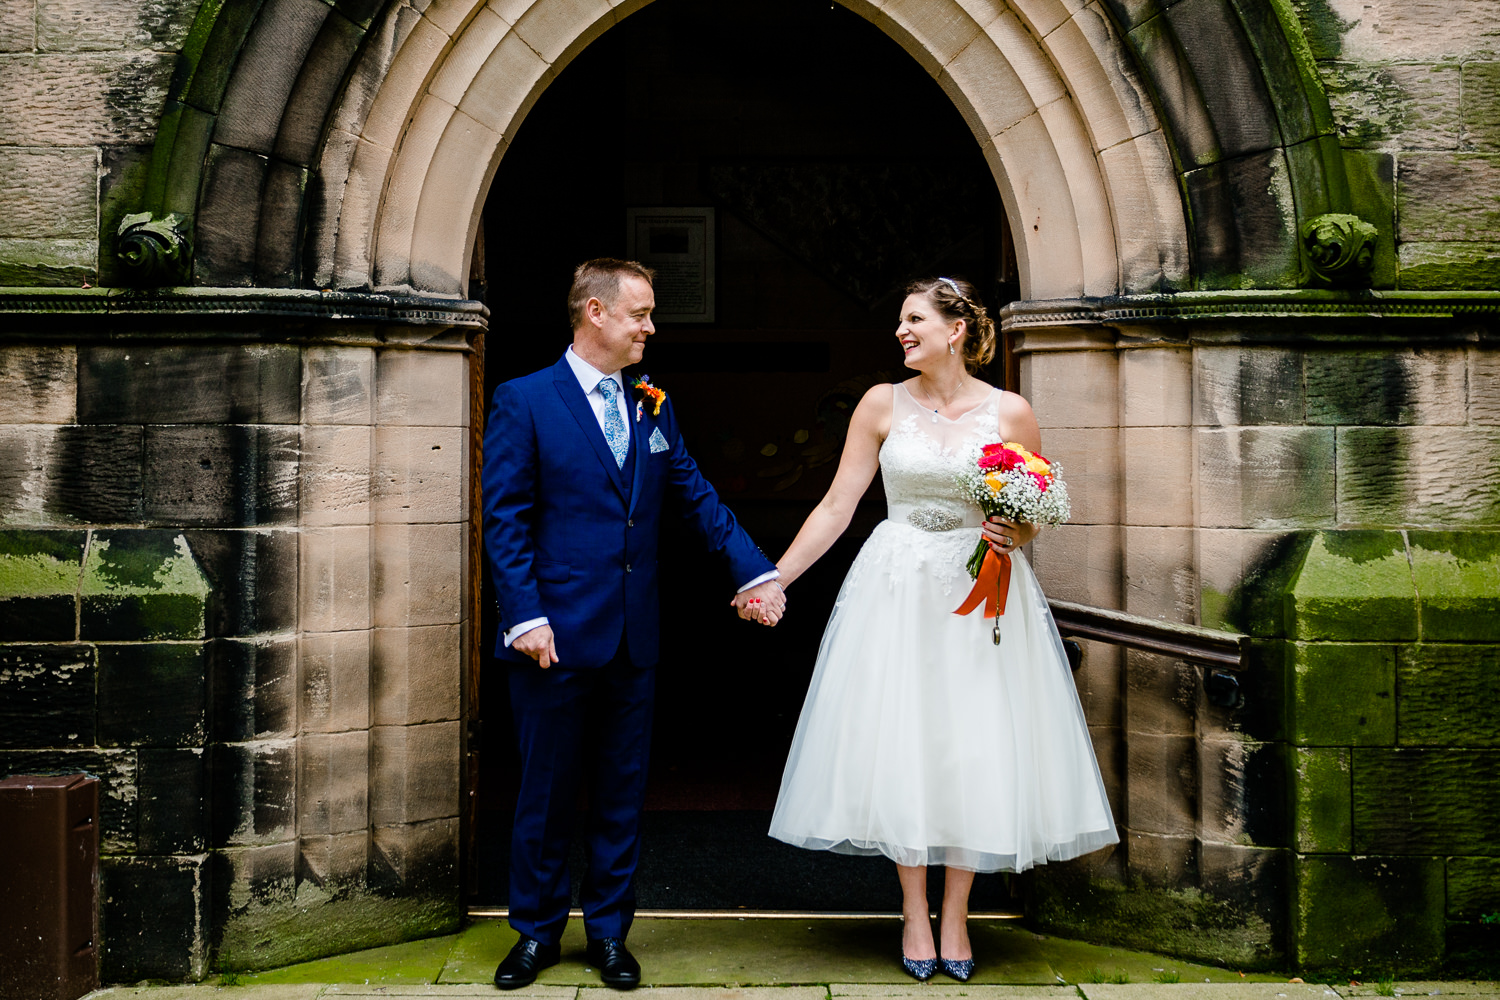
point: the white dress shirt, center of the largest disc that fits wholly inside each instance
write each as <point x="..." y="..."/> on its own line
<point x="589" y="378"/>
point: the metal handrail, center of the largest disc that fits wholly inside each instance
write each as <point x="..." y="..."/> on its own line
<point x="1193" y="643"/>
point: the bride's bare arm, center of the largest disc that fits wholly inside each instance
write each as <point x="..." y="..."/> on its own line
<point x="1017" y="424"/>
<point x="857" y="466"/>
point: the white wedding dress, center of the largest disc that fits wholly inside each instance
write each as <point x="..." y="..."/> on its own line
<point x="920" y="738"/>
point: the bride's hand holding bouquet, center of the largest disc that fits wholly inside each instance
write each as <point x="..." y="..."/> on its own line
<point x="1019" y="488"/>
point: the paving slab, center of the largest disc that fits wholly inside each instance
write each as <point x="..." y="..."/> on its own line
<point x="412" y="963"/>
<point x="1098" y="965"/>
<point x="479" y="948"/>
<point x="533" y="992"/>
<point x="1207" y="991"/>
<point x="711" y="993"/>
<point x="935" y="989"/>
<point x="770" y="952"/>
<point x="211" y="991"/>
<point x="1422" y="988"/>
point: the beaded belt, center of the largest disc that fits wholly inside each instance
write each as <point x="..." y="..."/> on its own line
<point x="933" y="518"/>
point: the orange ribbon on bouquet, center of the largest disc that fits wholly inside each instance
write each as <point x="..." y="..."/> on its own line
<point x="991" y="586"/>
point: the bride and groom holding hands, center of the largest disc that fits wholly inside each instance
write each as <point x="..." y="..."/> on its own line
<point x="918" y="741"/>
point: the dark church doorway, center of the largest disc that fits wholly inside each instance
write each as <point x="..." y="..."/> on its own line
<point x="836" y="170"/>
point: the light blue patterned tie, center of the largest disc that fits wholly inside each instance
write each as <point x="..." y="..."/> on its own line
<point x="614" y="424"/>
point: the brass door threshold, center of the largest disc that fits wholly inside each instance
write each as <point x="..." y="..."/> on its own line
<point x="500" y="912"/>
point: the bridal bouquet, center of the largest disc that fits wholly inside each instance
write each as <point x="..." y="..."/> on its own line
<point x="1012" y="482"/>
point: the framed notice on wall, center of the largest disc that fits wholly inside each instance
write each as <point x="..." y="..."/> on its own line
<point x="679" y="244"/>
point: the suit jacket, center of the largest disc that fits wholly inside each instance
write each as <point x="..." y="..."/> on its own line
<point x="571" y="536"/>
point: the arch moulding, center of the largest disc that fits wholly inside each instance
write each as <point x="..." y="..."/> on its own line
<point x="1081" y="162"/>
<point x="385" y="194"/>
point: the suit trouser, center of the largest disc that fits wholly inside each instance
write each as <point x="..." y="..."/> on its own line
<point x="574" y="726"/>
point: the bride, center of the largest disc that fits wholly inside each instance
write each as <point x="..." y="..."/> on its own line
<point x="921" y="740"/>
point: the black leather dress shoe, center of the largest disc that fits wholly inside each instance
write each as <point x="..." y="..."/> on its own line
<point x="525" y="960"/>
<point x="617" y="966"/>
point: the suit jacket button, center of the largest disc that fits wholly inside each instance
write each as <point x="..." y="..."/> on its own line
<point x="627" y="567"/>
<point x="630" y="524"/>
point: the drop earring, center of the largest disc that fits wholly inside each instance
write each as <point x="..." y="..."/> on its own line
<point x="951" y="350"/>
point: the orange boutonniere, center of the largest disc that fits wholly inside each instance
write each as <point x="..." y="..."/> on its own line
<point x="644" y="390"/>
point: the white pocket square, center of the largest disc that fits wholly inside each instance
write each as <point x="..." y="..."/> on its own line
<point x="658" y="441"/>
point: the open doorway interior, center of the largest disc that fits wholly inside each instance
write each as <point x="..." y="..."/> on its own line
<point x="835" y="170"/>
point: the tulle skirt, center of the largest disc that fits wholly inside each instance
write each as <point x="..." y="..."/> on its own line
<point x="922" y="740"/>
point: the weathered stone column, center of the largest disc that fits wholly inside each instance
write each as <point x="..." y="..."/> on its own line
<point x="234" y="565"/>
<point x="1319" y="474"/>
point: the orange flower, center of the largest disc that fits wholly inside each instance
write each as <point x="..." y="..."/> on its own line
<point x="646" y="390"/>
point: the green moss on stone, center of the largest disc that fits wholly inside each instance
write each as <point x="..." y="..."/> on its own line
<point x="1359" y="387"/>
<point x="1317" y="169"/>
<point x="1342" y="694"/>
<point x="1473" y="888"/>
<point x="1372" y="197"/>
<point x="1458" y="584"/>
<point x="1322" y="27"/>
<point x="1438" y="266"/>
<point x="1256" y="606"/>
<point x="1374" y="914"/>
<point x="1434" y="801"/>
<point x="1322" y="815"/>
<point x="40" y="563"/>
<point x="272" y="933"/>
<point x="142" y="585"/>
<point x="121" y="191"/>
<point x="141" y="616"/>
<point x="1449" y="695"/>
<point x="410" y="963"/>
<point x="1303" y="60"/>
<point x="1353" y="585"/>
<point x="1183" y="922"/>
<point x="48" y="262"/>
<point x="1213" y="609"/>
<point x="142" y="562"/>
<point x="180" y="177"/>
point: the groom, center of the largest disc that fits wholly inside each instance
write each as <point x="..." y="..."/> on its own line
<point x="579" y="465"/>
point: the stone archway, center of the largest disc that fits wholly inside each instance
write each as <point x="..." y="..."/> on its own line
<point x="1087" y="181"/>
<point x="350" y="148"/>
<point x="341" y="147"/>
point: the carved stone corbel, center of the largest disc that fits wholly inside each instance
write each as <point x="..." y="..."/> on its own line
<point x="155" y="252"/>
<point x="1338" y="251"/>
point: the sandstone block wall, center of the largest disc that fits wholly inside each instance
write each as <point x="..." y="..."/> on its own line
<point x="232" y="586"/>
<point x="1339" y="503"/>
<point x="81" y="88"/>
<point x="1413" y="86"/>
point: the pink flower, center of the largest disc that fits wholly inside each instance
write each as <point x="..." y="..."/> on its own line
<point x="998" y="456"/>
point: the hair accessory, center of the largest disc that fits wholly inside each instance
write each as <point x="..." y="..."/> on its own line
<point x="953" y="285"/>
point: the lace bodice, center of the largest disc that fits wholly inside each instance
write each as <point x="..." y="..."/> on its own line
<point x="925" y="452"/>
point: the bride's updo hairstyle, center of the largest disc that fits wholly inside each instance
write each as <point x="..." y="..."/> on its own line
<point x="956" y="299"/>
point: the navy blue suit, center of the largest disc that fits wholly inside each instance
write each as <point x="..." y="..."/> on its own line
<point x="572" y="537"/>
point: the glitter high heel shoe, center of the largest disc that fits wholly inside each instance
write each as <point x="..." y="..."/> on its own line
<point x="960" y="969"/>
<point x="921" y="969"/>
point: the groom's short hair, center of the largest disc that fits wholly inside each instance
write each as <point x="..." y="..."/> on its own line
<point x="600" y="279"/>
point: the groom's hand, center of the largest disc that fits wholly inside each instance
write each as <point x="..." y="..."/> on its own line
<point x="538" y="644"/>
<point x="765" y="603"/>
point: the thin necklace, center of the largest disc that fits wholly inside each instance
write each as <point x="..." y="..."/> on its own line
<point x="948" y="402"/>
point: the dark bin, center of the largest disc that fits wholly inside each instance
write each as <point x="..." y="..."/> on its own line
<point x="49" y="887"/>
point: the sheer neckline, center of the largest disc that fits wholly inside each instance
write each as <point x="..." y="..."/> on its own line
<point x="952" y="420"/>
